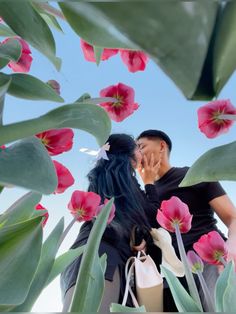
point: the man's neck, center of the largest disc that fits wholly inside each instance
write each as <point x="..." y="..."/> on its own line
<point x="164" y="169"/>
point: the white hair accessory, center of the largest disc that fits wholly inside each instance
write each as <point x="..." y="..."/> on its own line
<point x="101" y="153"/>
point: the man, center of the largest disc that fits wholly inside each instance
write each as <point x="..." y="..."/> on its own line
<point x="202" y="199"/>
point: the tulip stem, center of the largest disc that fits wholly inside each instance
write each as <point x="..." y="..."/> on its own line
<point x="189" y="276"/>
<point x="208" y="297"/>
<point x="227" y="116"/>
<point x="223" y="261"/>
<point x="64" y="234"/>
<point x="1" y="188"/>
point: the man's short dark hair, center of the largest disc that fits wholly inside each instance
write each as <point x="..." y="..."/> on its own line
<point x="156" y="134"/>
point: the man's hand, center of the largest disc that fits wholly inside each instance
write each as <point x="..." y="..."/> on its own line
<point x="149" y="170"/>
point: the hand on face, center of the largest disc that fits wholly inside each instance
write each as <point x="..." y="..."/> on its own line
<point x="149" y="169"/>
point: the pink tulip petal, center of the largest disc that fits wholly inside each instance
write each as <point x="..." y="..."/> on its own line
<point x="65" y="178"/>
<point x="164" y="221"/>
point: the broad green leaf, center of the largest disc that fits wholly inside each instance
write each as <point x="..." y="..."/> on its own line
<point x="29" y="87"/>
<point x="224" y="56"/>
<point x="4" y="85"/>
<point x="62" y="262"/>
<point x="115" y="307"/>
<point x="5" y="31"/>
<point x="19" y="15"/>
<point x="27" y="164"/>
<point x="222" y="166"/>
<point x="21" y="210"/>
<point x="225" y="290"/>
<point x="49" y="251"/>
<point x="183" y="300"/>
<point x="90" y="281"/>
<point x="93" y="26"/>
<point x="20" y="248"/>
<point x="179" y="48"/>
<point x="9" y="51"/>
<point x="90" y="118"/>
<point x="229" y="299"/>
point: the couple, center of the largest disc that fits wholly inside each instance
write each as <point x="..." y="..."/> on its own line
<point x="116" y="178"/>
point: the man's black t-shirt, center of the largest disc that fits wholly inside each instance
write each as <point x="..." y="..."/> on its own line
<point x="197" y="197"/>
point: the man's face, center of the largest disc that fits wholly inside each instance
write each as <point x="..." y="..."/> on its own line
<point x="149" y="146"/>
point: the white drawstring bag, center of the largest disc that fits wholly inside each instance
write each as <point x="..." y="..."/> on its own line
<point x="148" y="283"/>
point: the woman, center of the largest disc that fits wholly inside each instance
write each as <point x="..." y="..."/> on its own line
<point x="116" y="178"/>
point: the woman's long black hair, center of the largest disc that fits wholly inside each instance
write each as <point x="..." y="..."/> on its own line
<point x="116" y="178"/>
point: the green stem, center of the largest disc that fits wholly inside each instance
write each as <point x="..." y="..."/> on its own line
<point x="189" y="276"/>
<point x="208" y="297"/>
<point x="64" y="234"/>
<point x="227" y="116"/>
<point x="223" y="261"/>
<point x="1" y="188"/>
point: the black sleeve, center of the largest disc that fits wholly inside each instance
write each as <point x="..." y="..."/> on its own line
<point x="212" y="190"/>
<point x="153" y="204"/>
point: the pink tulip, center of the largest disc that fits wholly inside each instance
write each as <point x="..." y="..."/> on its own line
<point x="88" y="52"/>
<point x="45" y="215"/>
<point x="112" y="213"/>
<point x="55" y="85"/>
<point x="2" y="146"/>
<point x="134" y="60"/>
<point x="174" y="212"/>
<point x="65" y="178"/>
<point x="209" y="122"/>
<point x="83" y="205"/>
<point x="211" y="248"/>
<point x="195" y="262"/>
<point x="125" y="104"/>
<point x="25" y="60"/>
<point x="57" y="141"/>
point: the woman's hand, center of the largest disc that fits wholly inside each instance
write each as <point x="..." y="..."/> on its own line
<point x="149" y="170"/>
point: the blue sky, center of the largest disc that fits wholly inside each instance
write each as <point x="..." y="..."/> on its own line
<point x="162" y="106"/>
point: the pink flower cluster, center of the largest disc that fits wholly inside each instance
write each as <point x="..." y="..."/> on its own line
<point x="210" y="247"/>
<point x="134" y="60"/>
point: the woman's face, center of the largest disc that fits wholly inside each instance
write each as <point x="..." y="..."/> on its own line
<point x="137" y="158"/>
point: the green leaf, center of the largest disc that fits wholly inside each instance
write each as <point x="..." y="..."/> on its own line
<point x="115" y="307"/>
<point x="21" y="210"/>
<point x="183" y="300"/>
<point x="9" y="51"/>
<point x="49" y="251"/>
<point x="49" y="14"/>
<point x="93" y="26"/>
<point x="90" y="118"/>
<point x="90" y="281"/>
<point x="216" y="164"/>
<point x="180" y="49"/>
<point x="4" y="85"/>
<point x="5" y="31"/>
<point x="98" y="53"/>
<point x="225" y="290"/>
<point x="29" y="87"/>
<point x="27" y="164"/>
<point x="51" y="21"/>
<point x="19" y="15"/>
<point x="20" y="248"/>
<point x="224" y="56"/>
<point x="62" y="262"/>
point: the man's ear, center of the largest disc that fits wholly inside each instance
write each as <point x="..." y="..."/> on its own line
<point x="163" y="146"/>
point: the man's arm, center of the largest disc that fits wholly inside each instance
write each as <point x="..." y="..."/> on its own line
<point x="226" y="211"/>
